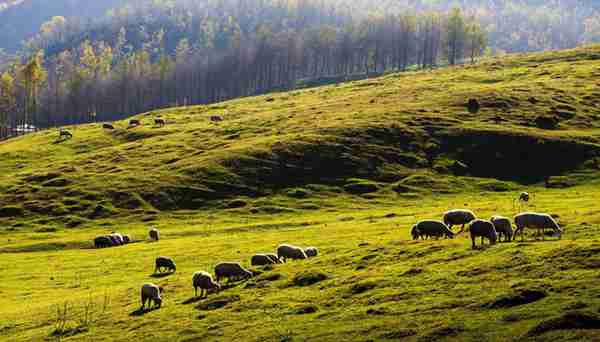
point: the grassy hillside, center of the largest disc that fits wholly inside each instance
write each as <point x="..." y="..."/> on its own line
<point x="348" y="168"/>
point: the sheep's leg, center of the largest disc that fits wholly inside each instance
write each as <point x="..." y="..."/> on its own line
<point x="196" y="291"/>
<point x="473" y="241"/>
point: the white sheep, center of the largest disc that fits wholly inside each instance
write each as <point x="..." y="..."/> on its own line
<point x="274" y="257"/>
<point x="539" y="221"/>
<point x="261" y="260"/>
<point x="286" y="251"/>
<point x="311" y="252"/>
<point x="151" y="294"/>
<point x="484" y="229"/>
<point x="503" y="227"/>
<point x="458" y="217"/>
<point x="430" y="228"/>
<point x="205" y="282"/>
<point x="154" y="234"/>
<point x="231" y="270"/>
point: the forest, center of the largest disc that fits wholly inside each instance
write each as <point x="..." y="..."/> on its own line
<point x="155" y="54"/>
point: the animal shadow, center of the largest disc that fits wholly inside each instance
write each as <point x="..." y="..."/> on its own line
<point x="160" y="275"/>
<point x="192" y="300"/>
<point x="141" y="312"/>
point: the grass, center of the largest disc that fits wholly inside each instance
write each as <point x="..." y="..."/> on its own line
<point x="346" y="168"/>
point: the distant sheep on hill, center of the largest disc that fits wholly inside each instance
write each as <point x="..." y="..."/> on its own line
<point x="285" y="252"/>
<point x="429" y="228"/>
<point x="537" y="221"/>
<point x="205" y="282"/>
<point x="108" y="126"/>
<point x="160" y="122"/>
<point x="483" y="229"/>
<point x="134" y="122"/>
<point x="216" y="118"/>
<point x="151" y="293"/>
<point x="458" y="217"/>
<point x="503" y="227"/>
<point x="231" y="271"/>
<point x="524" y="197"/>
<point x="64" y="134"/>
<point x="154" y="234"/>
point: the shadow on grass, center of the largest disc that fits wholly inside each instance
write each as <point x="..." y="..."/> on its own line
<point x="160" y="275"/>
<point x="141" y="312"/>
<point x="193" y="300"/>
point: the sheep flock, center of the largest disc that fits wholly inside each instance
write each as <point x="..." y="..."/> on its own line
<point x="496" y="229"/>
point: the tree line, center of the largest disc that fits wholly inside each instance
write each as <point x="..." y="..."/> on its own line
<point x="161" y="55"/>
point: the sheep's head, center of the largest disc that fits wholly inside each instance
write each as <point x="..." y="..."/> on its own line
<point x="414" y="232"/>
<point x="158" y="301"/>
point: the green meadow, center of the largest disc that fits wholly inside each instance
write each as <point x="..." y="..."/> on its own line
<point x="348" y="168"/>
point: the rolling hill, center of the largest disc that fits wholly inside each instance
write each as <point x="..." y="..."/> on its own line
<point x="348" y="168"/>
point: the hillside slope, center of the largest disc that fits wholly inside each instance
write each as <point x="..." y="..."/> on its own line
<point x="348" y="168"/>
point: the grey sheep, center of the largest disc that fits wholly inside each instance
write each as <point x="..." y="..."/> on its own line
<point x="205" y="282"/>
<point x="483" y="229"/>
<point x="430" y="228"/>
<point x="537" y="221"/>
<point x="286" y="251"/>
<point x="458" y="217"/>
<point x="503" y="227"/>
<point x="274" y="257"/>
<point x="261" y="260"/>
<point x="154" y="234"/>
<point x="164" y="263"/>
<point x="231" y="271"/>
<point x="311" y="252"/>
<point x="102" y="242"/>
<point x="524" y="197"/>
<point x="151" y="294"/>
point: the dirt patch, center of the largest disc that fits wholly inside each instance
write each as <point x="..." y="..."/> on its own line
<point x="518" y="297"/>
<point x="568" y="321"/>
<point x="7" y="212"/>
<point x="308" y="309"/>
<point x="413" y="271"/>
<point x="398" y="334"/>
<point x="362" y="288"/>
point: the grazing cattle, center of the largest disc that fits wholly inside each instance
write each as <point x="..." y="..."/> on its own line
<point x="108" y="126"/>
<point x="160" y="122"/>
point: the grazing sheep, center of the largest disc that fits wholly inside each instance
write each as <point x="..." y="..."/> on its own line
<point x="430" y="228"/>
<point x="537" y="221"/>
<point x="134" y="122"/>
<point x="102" y="242"/>
<point x="261" y="260"/>
<point x="274" y="257"/>
<point x="164" y="262"/>
<point x="108" y="126"/>
<point x="231" y="270"/>
<point x="151" y="293"/>
<point x="485" y="229"/>
<point x="458" y="217"/>
<point x="285" y="252"/>
<point x="118" y="238"/>
<point x="114" y="240"/>
<point x="503" y="227"/>
<point x="216" y="118"/>
<point x="311" y="252"/>
<point x="524" y="197"/>
<point x="204" y="281"/>
<point x="154" y="234"/>
<point x="160" y="122"/>
<point x="126" y="239"/>
<point x="64" y="133"/>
